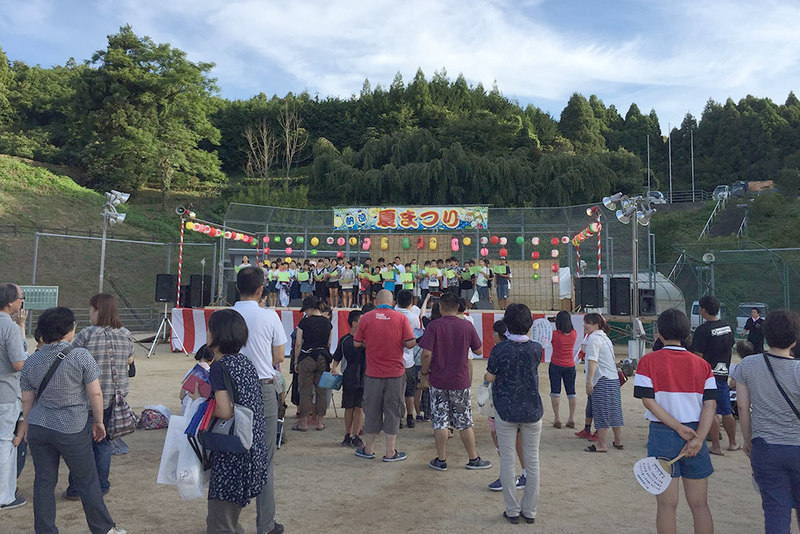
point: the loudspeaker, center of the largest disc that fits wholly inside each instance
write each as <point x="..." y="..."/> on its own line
<point x="647" y="302"/>
<point x="620" y="296"/>
<point x="201" y="290"/>
<point x="186" y="296"/>
<point x="589" y="292"/>
<point x="166" y="287"/>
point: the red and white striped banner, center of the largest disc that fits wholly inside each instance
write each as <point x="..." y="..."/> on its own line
<point x="190" y="326"/>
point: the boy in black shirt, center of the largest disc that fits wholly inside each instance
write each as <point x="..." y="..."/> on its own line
<point x="713" y="341"/>
<point x="753" y="328"/>
<point x="352" y="381"/>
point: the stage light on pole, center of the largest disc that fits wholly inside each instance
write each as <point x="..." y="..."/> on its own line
<point x="111" y="217"/>
<point x="643" y="217"/>
<point x="624" y="215"/>
<point x="611" y="202"/>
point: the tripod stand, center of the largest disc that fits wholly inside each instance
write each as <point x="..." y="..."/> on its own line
<point x="165" y="321"/>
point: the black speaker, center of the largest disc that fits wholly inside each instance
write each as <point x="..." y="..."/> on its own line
<point x="647" y="302"/>
<point x="201" y="290"/>
<point x="620" y="296"/>
<point x="186" y="296"/>
<point x="589" y="292"/>
<point x="166" y="287"/>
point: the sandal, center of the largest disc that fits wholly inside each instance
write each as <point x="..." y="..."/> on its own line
<point x="298" y="429"/>
<point x="592" y="448"/>
<point x="323" y="428"/>
<point x="618" y="447"/>
<point x="557" y="424"/>
<point x="570" y="424"/>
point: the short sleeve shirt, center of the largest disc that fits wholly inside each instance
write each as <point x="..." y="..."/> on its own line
<point x="63" y="405"/>
<point x="264" y="331"/>
<point x="412" y="314"/>
<point x="356" y="360"/>
<point x="316" y="331"/>
<point x="103" y="343"/>
<point x="384" y="332"/>
<point x="714" y="340"/>
<point x="600" y="349"/>
<point x="12" y="350"/>
<point x="449" y="339"/>
<point x="515" y="391"/>
<point x="563" y="348"/>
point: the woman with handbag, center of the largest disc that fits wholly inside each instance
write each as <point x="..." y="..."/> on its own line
<point x="111" y="345"/>
<point x="313" y="358"/>
<point x="769" y="384"/>
<point x="59" y="383"/>
<point x="236" y="477"/>
<point x="602" y="382"/>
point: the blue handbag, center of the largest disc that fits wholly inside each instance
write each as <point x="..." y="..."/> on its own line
<point x="330" y="381"/>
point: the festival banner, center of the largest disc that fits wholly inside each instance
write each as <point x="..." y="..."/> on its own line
<point x="411" y="218"/>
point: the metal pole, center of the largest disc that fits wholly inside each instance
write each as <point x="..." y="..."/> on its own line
<point x="669" y="151"/>
<point x="169" y="258"/>
<point x="635" y="287"/>
<point x="103" y="251"/>
<point x="691" y="139"/>
<point x="35" y="257"/>
<point x="213" y="270"/>
<point x="648" y="165"/>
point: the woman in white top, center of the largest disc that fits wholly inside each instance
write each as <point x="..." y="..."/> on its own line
<point x="482" y="281"/>
<point x="602" y="382"/>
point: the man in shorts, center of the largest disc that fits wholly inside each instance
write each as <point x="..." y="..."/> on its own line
<point x="384" y="332"/>
<point x="352" y="381"/>
<point x="446" y="367"/>
<point x="678" y="390"/>
<point x="713" y="341"/>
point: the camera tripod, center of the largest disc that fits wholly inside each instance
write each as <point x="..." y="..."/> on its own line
<point x="165" y="321"/>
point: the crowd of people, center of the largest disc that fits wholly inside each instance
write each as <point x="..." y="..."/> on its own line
<point x="343" y="283"/>
<point x="398" y="360"/>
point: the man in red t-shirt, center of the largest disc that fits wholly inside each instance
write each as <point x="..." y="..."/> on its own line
<point x="384" y="332"/>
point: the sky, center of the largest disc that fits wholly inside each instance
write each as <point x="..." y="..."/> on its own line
<point x="671" y="56"/>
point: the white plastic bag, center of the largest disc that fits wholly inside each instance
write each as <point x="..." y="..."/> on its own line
<point x="173" y="441"/>
<point x="191" y="479"/>
<point x="484" y="399"/>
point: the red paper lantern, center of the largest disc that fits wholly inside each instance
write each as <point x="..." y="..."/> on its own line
<point x="494" y="239"/>
<point x="535" y="254"/>
<point x="484" y="252"/>
<point x="503" y="252"/>
<point x="206" y="230"/>
<point x="420" y="242"/>
<point x="288" y="251"/>
<point x="554" y="241"/>
<point x="266" y="239"/>
<point x="228" y="234"/>
<point x="339" y="254"/>
<point x="329" y="240"/>
<point x="340" y="241"/>
<point x="266" y="250"/>
<point x="554" y="267"/>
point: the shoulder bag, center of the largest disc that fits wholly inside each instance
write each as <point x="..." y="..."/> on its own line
<point x="61" y="356"/>
<point x="229" y="435"/>
<point x="118" y="418"/>
<point x="780" y="388"/>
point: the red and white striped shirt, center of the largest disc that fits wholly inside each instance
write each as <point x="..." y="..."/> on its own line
<point x="678" y="380"/>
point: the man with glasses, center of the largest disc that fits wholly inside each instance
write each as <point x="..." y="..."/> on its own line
<point x="12" y="358"/>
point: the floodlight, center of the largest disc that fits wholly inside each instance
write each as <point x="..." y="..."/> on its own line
<point x="611" y="202"/>
<point x="624" y="215"/>
<point x="115" y="198"/>
<point x="114" y="218"/>
<point x="643" y="217"/>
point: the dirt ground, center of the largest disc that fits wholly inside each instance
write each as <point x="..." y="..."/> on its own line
<point x="322" y="487"/>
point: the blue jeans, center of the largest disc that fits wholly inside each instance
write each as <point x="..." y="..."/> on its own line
<point x="47" y="449"/>
<point x="558" y="373"/>
<point x="102" y="460"/>
<point x="483" y="292"/>
<point x="776" y="469"/>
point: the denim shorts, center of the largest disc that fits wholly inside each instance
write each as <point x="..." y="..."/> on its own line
<point x="663" y="442"/>
<point x="723" y="396"/>
<point x="558" y="373"/>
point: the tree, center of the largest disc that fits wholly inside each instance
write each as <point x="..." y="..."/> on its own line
<point x="6" y="78"/>
<point x="263" y="148"/>
<point x="294" y="136"/>
<point x="141" y="116"/>
<point x="579" y="124"/>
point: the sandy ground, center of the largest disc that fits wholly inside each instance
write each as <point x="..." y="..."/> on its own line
<point x="323" y="487"/>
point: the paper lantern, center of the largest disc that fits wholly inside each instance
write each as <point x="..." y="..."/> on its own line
<point x="247" y="239"/>
<point x="341" y="241"/>
<point x="289" y="240"/>
<point x="329" y="240"/>
<point x="494" y="239"/>
<point x="595" y="227"/>
<point x="535" y="276"/>
<point x="266" y="239"/>
<point x="484" y="240"/>
<point x="503" y="252"/>
<point x="227" y="235"/>
<point x="300" y="239"/>
<point x="189" y="225"/>
<point x="406" y="243"/>
<point x="535" y="265"/>
<point x="420" y="242"/>
<point x="277" y="239"/>
<point x="554" y="241"/>
<point x="535" y="254"/>
<point x="467" y="241"/>
<point x="484" y="252"/>
<point x="554" y="267"/>
<point x="339" y="254"/>
<point x="367" y="243"/>
<point x="314" y="241"/>
<point x="454" y="244"/>
<point x="287" y="260"/>
<point x="554" y="253"/>
<point x="365" y="246"/>
<point x="503" y="241"/>
<point x="565" y="240"/>
<point x="520" y="240"/>
<point x="288" y="251"/>
<point x="266" y="250"/>
<point x="353" y="241"/>
<point x="535" y="241"/>
<point x="384" y="243"/>
<point x="432" y="243"/>
<point x="313" y="252"/>
<point x="555" y="278"/>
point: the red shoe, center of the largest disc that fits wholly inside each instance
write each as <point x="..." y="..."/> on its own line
<point x="593" y="436"/>
<point x="582" y="434"/>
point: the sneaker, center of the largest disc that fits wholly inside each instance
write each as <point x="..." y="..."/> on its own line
<point x="593" y="436"/>
<point x="401" y="424"/>
<point x="70" y="497"/>
<point x="397" y="457"/>
<point x="361" y="453"/>
<point x="347" y="441"/>
<point x="582" y="434"/>
<point x="496" y="485"/>
<point x="115" y="530"/>
<point x="18" y="502"/>
<point x="419" y="418"/>
<point x="477" y="463"/>
<point x="521" y="480"/>
<point x="410" y="421"/>
<point x="356" y="442"/>
<point x="439" y="465"/>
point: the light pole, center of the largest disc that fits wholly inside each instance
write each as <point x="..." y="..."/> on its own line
<point x="638" y="208"/>
<point x="110" y="217"/>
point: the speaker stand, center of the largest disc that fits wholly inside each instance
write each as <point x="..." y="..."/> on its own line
<point x="165" y="321"/>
